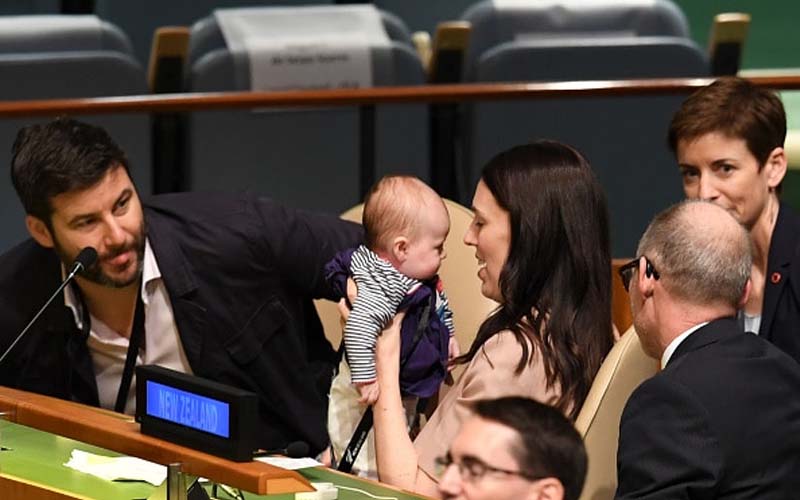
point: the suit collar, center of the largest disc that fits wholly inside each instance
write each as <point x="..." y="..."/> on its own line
<point x="175" y="268"/>
<point x="783" y="249"/>
<point x="712" y="332"/>
<point x="677" y="341"/>
<point x="188" y="308"/>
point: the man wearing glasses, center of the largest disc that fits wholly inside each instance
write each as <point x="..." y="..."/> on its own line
<point x="722" y="418"/>
<point x="514" y="448"/>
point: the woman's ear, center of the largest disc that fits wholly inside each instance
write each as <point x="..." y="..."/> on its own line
<point x="776" y="166"/>
<point x="39" y="231"/>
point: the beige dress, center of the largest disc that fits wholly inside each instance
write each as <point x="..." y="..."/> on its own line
<point x="490" y="374"/>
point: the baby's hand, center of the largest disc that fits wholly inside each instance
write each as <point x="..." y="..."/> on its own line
<point x="453" y="351"/>
<point x="369" y="392"/>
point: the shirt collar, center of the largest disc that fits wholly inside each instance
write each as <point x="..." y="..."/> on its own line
<point x="670" y="350"/>
<point x="150" y="273"/>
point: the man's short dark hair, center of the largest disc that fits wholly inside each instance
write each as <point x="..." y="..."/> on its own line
<point x="549" y="446"/>
<point x="58" y="157"/>
<point x="735" y="108"/>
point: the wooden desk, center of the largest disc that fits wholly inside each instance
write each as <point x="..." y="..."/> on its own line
<point x="120" y="433"/>
<point x="33" y="468"/>
<point x="45" y="431"/>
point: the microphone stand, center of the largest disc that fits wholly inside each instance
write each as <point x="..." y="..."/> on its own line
<point x="76" y="268"/>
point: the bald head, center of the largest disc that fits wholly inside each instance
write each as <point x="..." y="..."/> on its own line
<point x="399" y="205"/>
<point x="701" y="252"/>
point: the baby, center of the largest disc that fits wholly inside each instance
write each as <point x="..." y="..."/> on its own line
<point x="405" y="225"/>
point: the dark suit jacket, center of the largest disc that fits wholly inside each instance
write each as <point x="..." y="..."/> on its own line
<point x="780" y="314"/>
<point x="240" y="273"/>
<point x="722" y="420"/>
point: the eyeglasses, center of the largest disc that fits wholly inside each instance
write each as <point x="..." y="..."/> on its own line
<point x="626" y="271"/>
<point x="473" y="469"/>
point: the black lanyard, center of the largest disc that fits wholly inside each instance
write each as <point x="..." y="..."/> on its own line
<point x="365" y="424"/>
<point x="134" y="342"/>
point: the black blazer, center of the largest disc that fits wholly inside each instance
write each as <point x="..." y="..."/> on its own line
<point x="780" y="313"/>
<point x="722" y="420"/>
<point x="240" y="273"/>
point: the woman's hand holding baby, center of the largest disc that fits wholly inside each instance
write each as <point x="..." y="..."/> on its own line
<point x="453" y="351"/>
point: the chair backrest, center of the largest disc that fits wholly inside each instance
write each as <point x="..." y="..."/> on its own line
<point x="207" y="35"/>
<point x="61" y="33"/>
<point x="74" y="57"/>
<point x="141" y="18"/>
<point x="459" y="274"/>
<point x="304" y="157"/>
<point x="425" y="15"/>
<point x="498" y="22"/>
<point x="625" y="367"/>
<point x="622" y="137"/>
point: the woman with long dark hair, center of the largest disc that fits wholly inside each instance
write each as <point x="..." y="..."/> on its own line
<point x="540" y="234"/>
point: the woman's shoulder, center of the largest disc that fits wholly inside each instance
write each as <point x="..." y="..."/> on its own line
<point x="494" y="371"/>
<point x="506" y="342"/>
<point x="503" y="351"/>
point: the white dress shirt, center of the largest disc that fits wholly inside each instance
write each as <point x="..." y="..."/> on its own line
<point x="752" y="322"/>
<point x="161" y="345"/>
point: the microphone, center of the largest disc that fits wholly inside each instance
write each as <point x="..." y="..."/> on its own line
<point x="85" y="258"/>
<point x="295" y="449"/>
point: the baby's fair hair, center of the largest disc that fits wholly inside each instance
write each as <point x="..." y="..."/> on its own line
<point x="394" y="207"/>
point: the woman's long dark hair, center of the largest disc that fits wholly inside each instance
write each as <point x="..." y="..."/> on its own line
<point x="556" y="282"/>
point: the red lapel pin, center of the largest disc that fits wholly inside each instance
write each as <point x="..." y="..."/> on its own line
<point x="775" y="278"/>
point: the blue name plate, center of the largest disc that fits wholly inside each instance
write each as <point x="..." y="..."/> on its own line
<point x="192" y="411"/>
<point x="184" y="408"/>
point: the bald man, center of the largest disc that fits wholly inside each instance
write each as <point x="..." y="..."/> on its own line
<point x="722" y="418"/>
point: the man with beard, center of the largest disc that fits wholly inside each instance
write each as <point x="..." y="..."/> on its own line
<point x="213" y="285"/>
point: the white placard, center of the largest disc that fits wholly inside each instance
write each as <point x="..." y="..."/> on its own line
<point x="316" y="47"/>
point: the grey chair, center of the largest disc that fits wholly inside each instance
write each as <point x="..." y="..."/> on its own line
<point x="425" y="15"/>
<point x="494" y="24"/>
<point x="48" y="57"/>
<point x="623" y="137"/>
<point x="140" y="19"/>
<point x="307" y="158"/>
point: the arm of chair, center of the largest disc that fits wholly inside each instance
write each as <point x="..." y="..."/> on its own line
<point x="726" y="43"/>
<point x="167" y="58"/>
<point x="449" y="47"/>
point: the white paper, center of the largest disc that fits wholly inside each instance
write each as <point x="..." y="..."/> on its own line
<point x="310" y="47"/>
<point x="117" y="468"/>
<point x="289" y="463"/>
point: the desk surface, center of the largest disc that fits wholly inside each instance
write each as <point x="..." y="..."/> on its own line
<point x="35" y="458"/>
<point x="120" y="433"/>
